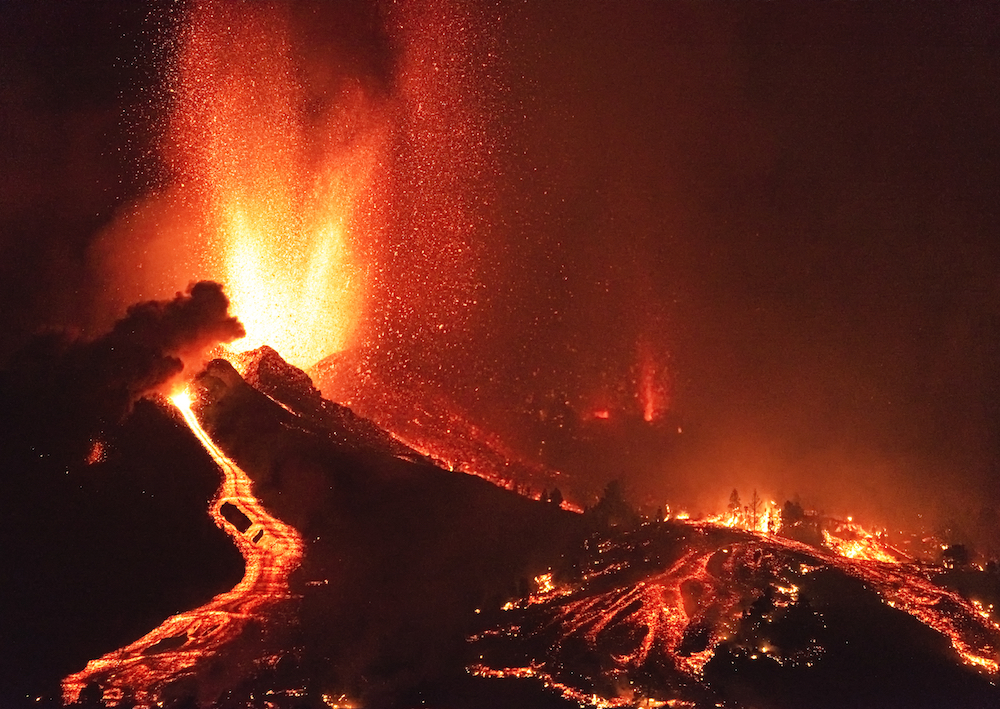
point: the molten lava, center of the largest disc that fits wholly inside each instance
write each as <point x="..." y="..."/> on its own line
<point x="187" y="643"/>
<point x="727" y="581"/>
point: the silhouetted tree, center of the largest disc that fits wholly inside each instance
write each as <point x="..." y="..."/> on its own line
<point x="955" y="556"/>
<point x="792" y="512"/>
<point x="556" y="497"/>
<point x="734" y="502"/>
<point x="795" y="524"/>
<point x="612" y="509"/>
<point x="754" y="509"/>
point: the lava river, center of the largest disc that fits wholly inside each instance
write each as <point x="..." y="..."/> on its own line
<point x="186" y="643"/>
<point x="651" y="608"/>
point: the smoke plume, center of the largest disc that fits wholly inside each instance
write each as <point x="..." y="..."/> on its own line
<point x="78" y="386"/>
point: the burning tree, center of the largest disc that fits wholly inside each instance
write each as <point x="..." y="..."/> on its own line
<point x="735" y="506"/>
<point x="754" y="509"/>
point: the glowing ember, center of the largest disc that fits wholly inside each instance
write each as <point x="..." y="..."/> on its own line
<point x="728" y="585"/>
<point x="338" y="702"/>
<point x="189" y="641"/>
<point x="276" y="206"/>
<point x="97" y="452"/>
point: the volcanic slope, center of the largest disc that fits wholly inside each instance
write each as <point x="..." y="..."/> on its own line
<point x="403" y="560"/>
<point x="700" y="615"/>
<point x="406" y="569"/>
<point x="96" y="551"/>
<point x="405" y="563"/>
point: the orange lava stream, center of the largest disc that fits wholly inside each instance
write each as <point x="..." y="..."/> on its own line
<point x="973" y="634"/>
<point x="681" y="615"/>
<point x="572" y="694"/>
<point x="693" y="597"/>
<point x="657" y="607"/>
<point x="186" y="642"/>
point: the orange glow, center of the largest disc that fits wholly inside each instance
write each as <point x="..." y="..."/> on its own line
<point x="440" y="430"/>
<point x="97" y="452"/>
<point x="182" y="400"/>
<point x="602" y="414"/>
<point x="982" y="662"/>
<point x="900" y="583"/>
<point x="766" y="521"/>
<point x="191" y="641"/>
<point x="854" y="542"/>
<point x="651" y="392"/>
<point x="707" y="592"/>
<point x="276" y="194"/>
<point x="907" y="588"/>
<point x="544" y="583"/>
<point x="572" y="694"/>
<point x="659" y="613"/>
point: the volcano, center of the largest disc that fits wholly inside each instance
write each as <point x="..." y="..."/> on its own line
<point x="416" y="585"/>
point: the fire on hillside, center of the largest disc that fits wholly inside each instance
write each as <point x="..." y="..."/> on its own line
<point x="644" y="611"/>
<point x="451" y="268"/>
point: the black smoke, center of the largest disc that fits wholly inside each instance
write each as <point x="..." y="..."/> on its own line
<point x="796" y="206"/>
<point x="61" y="391"/>
<point x="103" y="490"/>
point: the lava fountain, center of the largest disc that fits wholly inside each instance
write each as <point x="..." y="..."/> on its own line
<point x="276" y="189"/>
<point x="332" y="183"/>
<point x="266" y="161"/>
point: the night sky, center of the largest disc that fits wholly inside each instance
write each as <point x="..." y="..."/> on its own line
<point x="792" y="206"/>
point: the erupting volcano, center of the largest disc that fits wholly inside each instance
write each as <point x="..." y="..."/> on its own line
<point x="404" y="353"/>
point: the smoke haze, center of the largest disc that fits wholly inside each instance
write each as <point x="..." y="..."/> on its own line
<point x="779" y="223"/>
<point x="61" y="387"/>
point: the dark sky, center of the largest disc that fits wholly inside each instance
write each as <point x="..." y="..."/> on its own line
<point x="803" y="202"/>
<point x="794" y="206"/>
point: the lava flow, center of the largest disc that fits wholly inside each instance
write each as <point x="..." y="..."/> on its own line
<point x="186" y="642"/>
<point x="654" y="606"/>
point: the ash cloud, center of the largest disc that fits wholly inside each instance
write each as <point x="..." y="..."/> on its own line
<point x="76" y="387"/>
